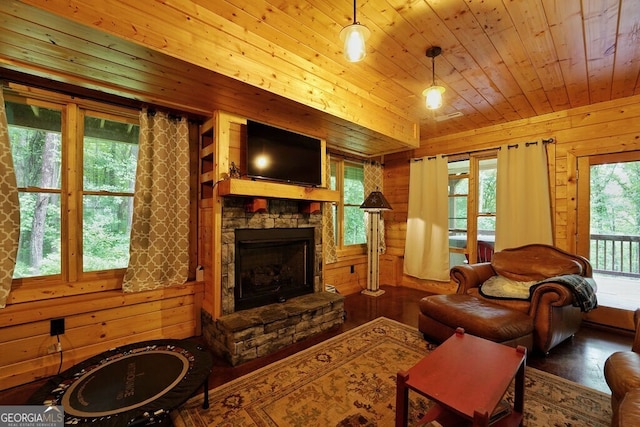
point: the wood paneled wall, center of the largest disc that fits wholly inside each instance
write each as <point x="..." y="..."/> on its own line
<point x="94" y="322"/>
<point x="99" y="316"/>
<point x="348" y="274"/>
<point x="607" y="127"/>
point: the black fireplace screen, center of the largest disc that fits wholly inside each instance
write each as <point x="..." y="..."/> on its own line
<point x="272" y="265"/>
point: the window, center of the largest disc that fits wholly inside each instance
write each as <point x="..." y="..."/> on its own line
<point x="110" y="153"/>
<point x="609" y="226"/>
<point x="472" y="209"/>
<point x="458" y="211"/>
<point x="349" y="224"/>
<point x="35" y="133"/>
<point x="76" y="192"/>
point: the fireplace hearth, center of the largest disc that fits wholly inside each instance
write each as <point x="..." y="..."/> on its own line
<point x="273" y="265"/>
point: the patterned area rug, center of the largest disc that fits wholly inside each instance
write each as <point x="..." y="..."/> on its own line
<point x="349" y="380"/>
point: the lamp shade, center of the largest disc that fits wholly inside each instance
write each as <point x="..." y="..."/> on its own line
<point x="354" y="37"/>
<point x="375" y="202"/>
<point x="433" y="97"/>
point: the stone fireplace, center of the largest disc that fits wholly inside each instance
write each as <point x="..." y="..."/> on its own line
<point x="271" y="275"/>
<point x="272" y="265"/>
<point x="280" y="225"/>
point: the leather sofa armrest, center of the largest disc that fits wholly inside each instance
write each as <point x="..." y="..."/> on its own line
<point x="469" y="276"/>
<point x="551" y="294"/>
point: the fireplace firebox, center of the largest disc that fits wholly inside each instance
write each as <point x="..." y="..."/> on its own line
<point x="272" y="265"/>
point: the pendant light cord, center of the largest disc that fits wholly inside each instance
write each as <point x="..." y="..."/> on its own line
<point x="354" y="12"/>
<point x="433" y="71"/>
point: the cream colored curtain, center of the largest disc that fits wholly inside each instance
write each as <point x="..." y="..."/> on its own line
<point x="426" y="253"/>
<point x="373" y="178"/>
<point x="159" y="253"/>
<point x="523" y="210"/>
<point x="329" y="239"/>
<point x="10" y="215"/>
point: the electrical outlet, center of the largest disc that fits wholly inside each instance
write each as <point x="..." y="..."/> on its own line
<point x="57" y="327"/>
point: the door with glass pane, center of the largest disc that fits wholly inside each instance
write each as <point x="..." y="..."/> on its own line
<point x="609" y="232"/>
<point x="472" y="209"/>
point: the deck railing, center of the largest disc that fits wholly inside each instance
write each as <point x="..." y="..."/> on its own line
<point x="615" y="255"/>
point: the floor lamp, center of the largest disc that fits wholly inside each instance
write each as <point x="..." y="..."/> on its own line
<point x="374" y="204"/>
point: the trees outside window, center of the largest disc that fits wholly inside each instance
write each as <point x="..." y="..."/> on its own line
<point x="349" y="225"/>
<point x="608" y="231"/>
<point x="75" y="170"/>
<point x="35" y="133"/>
<point x="109" y="171"/>
<point x="614" y="216"/>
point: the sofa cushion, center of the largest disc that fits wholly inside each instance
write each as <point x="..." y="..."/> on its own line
<point x="503" y="287"/>
<point x="533" y="265"/>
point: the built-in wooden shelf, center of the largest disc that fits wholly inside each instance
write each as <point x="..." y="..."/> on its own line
<point x="275" y="190"/>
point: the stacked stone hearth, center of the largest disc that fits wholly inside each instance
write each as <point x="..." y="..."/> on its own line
<point x="256" y="332"/>
<point x="239" y="336"/>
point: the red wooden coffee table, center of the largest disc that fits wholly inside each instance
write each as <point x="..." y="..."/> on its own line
<point x="466" y="377"/>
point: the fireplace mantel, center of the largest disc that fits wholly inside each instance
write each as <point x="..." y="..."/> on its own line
<point x="272" y="190"/>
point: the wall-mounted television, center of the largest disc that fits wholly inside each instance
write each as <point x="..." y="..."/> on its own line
<point x="281" y="155"/>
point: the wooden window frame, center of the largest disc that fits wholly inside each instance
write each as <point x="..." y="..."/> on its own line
<point x="343" y="250"/>
<point x="71" y="279"/>
<point x="471" y="250"/>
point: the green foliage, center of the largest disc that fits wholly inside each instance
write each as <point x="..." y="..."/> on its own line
<point x="106" y="230"/>
<point x="108" y="166"/>
<point x="615" y="199"/>
<point x="487" y="190"/>
<point x="354" y="224"/>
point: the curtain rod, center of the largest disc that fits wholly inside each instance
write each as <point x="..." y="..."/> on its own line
<point x="544" y="141"/>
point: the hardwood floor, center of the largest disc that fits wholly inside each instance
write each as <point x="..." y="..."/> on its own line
<point x="580" y="359"/>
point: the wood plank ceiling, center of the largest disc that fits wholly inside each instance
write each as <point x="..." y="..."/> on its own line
<point x="281" y="60"/>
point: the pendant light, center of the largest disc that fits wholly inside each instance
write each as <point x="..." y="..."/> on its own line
<point x="354" y="37"/>
<point x="433" y="94"/>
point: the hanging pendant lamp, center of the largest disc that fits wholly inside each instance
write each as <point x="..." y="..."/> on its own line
<point x="433" y="94"/>
<point x="354" y="37"/>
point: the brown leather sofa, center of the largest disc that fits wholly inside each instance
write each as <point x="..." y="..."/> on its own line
<point x="622" y="373"/>
<point x="551" y="304"/>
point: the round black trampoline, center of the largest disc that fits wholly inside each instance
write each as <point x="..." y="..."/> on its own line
<point x="135" y="384"/>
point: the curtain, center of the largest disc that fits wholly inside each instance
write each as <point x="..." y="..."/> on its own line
<point x="373" y="178"/>
<point x="426" y="253"/>
<point x="329" y="249"/>
<point x="159" y="252"/>
<point x="523" y="206"/>
<point x="10" y="215"/>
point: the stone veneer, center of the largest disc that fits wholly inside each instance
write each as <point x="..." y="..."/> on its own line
<point x="247" y="334"/>
<point x="256" y="332"/>
<point x="281" y="214"/>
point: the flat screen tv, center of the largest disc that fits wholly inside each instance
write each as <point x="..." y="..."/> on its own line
<point x="281" y="155"/>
